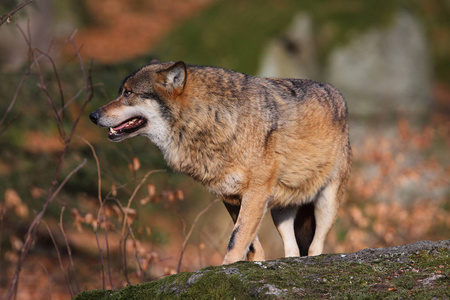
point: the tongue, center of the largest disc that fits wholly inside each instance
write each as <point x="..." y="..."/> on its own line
<point x="123" y="125"/>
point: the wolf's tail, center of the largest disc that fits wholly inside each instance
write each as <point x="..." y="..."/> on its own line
<point x="305" y="226"/>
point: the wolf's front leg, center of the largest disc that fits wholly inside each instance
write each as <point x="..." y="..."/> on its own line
<point x="252" y="211"/>
<point x="255" y="250"/>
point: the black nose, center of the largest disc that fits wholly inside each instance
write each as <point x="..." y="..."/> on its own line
<point x="95" y="116"/>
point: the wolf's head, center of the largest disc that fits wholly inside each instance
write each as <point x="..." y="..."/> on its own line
<point x="143" y="104"/>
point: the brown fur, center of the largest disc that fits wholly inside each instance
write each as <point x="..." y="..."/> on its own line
<point x="259" y="143"/>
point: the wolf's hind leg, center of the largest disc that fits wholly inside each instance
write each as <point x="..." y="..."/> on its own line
<point x="284" y="218"/>
<point x="325" y="209"/>
<point x="255" y="251"/>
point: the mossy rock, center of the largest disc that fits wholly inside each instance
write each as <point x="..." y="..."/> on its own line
<point x="420" y="271"/>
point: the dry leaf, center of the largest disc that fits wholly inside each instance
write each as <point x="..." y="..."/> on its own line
<point x="202" y="246"/>
<point x="12" y="199"/>
<point x="136" y="164"/>
<point x="156" y="199"/>
<point x="179" y="195"/>
<point x="169" y="196"/>
<point x="145" y="200"/>
<point x="36" y="192"/>
<point x="95" y="224"/>
<point x="88" y="218"/>
<point x="148" y="230"/>
<point x="144" y="263"/>
<point x="11" y="257"/>
<point x="114" y="189"/>
<point x="130" y="245"/>
<point x="21" y="211"/>
<point x="170" y="271"/>
<point x="77" y="219"/>
<point x="151" y="190"/>
<point x="129" y="211"/>
<point x="16" y="243"/>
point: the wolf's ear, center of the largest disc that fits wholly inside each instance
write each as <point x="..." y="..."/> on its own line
<point x="173" y="78"/>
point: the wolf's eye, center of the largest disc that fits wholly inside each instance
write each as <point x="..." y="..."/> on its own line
<point x="127" y="93"/>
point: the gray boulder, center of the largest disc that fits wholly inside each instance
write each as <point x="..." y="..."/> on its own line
<point x="381" y="72"/>
<point x="385" y="70"/>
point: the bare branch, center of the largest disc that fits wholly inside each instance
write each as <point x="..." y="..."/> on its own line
<point x="125" y="221"/>
<point x="4" y="125"/>
<point x="48" y="278"/>
<point x="125" y="269"/>
<point x="69" y="250"/>
<point x="69" y="286"/>
<point x="54" y="188"/>
<point x="55" y="71"/>
<point x="100" y="250"/>
<point x="7" y="17"/>
<point x="101" y="214"/>
<point x="42" y="84"/>
<point x="192" y="229"/>
<point x="37" y="220"/>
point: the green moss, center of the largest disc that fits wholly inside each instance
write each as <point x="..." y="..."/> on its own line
<point x="94" y="295"/>
<point x="370" y="274"/>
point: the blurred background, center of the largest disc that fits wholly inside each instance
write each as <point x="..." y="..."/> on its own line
<point x="390" y="59"/>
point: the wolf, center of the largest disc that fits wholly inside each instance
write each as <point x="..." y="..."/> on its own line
<point x="257" y="143"/>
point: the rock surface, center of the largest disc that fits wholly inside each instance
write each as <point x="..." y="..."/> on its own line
<point x="385" y="70"/>
<point x="382" y="72"/>
<point x="419" y="270"/>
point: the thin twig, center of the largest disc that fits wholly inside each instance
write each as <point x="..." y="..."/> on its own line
<point x="101" y="214"/>
<point x="125" y="221"/>
<point x="69" y="285"/>
<point x="67" y="178"/>
<point x="52" y="193"/>
<point x="100" y="250"/>
<point x="48" y="278"/>
<point x="58" y="81"/>
<point x="42" y="84"/>
<point x="7" y="17"/>
<point x="3" y="126"/>
<point x="13" y="101"/>
<point x="86" y="82"/>
<point x="192" y="229"/>
<point x="67" y="103"/>
<point x="136" y="255"/>
<point x="37" y="220"/>
<point x="108" y="259"/>
<point x="69" y="250"/>
<point x="125" y="271"/>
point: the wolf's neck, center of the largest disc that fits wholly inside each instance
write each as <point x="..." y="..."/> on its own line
<point x="199" y="144"/>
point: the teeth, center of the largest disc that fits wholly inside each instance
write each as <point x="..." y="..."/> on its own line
<point x="123" y="126"/>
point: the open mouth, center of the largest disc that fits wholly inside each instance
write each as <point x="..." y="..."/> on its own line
<point x="127" y="127"/>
